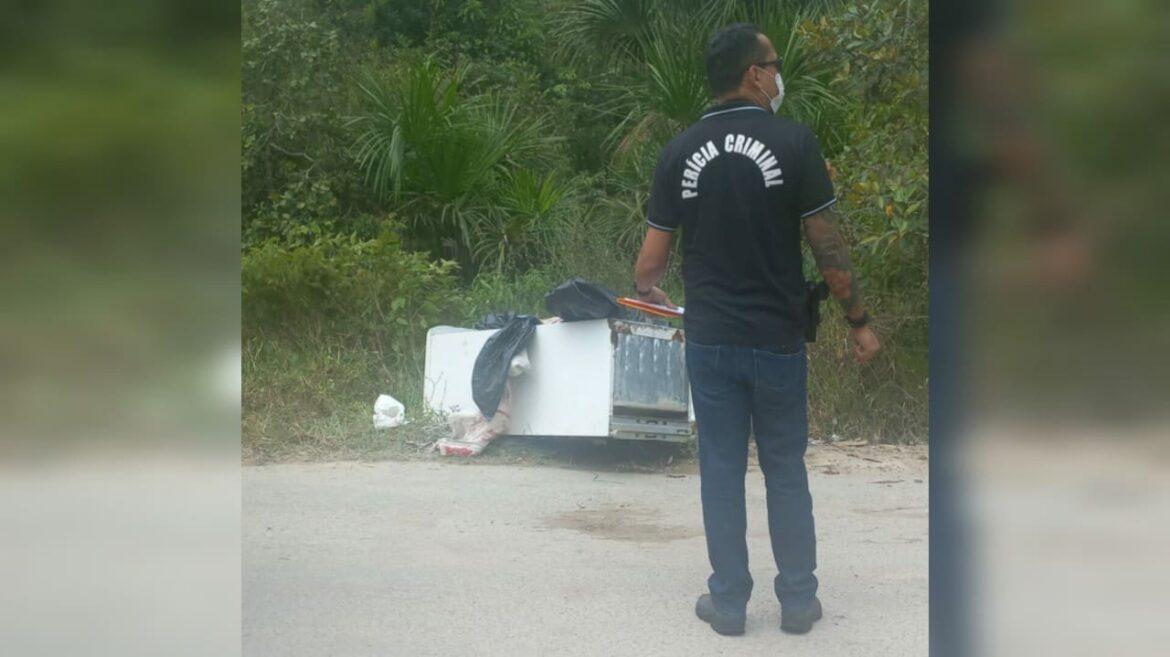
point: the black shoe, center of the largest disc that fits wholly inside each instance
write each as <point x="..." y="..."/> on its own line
<point x="720" y="621"/>
<point x="799" y="621"/>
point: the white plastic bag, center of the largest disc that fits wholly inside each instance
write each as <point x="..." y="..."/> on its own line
<point x="388" y="412"/>
<point x="471" y="432"/>
<point x="520" y="364"/>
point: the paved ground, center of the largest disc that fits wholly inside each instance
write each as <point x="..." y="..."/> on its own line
<point x="434" y="558"/>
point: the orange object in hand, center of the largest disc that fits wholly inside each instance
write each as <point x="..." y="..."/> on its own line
<point x="651" y="308"/>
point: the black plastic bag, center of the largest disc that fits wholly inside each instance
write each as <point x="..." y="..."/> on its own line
<point x="495" y="320"/>
<point x="490" y="375"/>
<point x="578" y="299"/>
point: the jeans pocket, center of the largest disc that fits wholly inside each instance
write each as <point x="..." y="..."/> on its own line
<point x="708" y="369"/>
<point x="780" y="372"/>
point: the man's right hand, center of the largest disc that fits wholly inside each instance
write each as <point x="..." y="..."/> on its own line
<point x="656" y="295"/>
<point x="865" y="343"/>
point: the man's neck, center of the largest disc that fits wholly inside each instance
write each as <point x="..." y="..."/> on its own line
<point x="739" y="97"/>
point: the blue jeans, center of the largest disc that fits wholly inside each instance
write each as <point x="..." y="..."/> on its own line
<point x="736" y="390"/>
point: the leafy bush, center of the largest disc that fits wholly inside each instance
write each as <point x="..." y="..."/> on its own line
<point x="295" y="79"/>
<point x="331" y="321"/>
<point x="341" y="289"/>
<point x="878" y="54"/>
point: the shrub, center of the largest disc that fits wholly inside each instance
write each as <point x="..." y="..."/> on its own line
<point x="341" y="289"/>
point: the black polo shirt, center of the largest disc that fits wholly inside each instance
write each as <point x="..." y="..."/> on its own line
<point x="737" y="184"/>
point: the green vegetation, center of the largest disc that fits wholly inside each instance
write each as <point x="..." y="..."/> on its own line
<point x="408" y="163"/>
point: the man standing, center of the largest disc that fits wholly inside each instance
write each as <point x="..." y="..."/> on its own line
<point x="740" y="183"/>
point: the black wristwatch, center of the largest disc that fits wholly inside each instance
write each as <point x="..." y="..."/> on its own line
<point x="857" y="323"/>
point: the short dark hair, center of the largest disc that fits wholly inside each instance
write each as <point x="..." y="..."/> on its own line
<point x="729" y="53"/>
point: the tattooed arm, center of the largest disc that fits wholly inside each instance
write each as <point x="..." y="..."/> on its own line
<point x="832" y="256"/>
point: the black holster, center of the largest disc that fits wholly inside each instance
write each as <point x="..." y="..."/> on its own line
<point x="817" y="292"/>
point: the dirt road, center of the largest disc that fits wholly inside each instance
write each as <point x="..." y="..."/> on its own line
<point x="434" y="558"/>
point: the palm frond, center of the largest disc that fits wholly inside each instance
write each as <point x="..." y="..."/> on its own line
<point x="525" y="220"/>
<point x="402" y="114"/>
<point x="808" y="93"/>
<point x="605" y="30"/>
<point x="677" y="82"/>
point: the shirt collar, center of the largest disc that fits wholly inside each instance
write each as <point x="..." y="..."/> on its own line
<point x="730" y="107"/>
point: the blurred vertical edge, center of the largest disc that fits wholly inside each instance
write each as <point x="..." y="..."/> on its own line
<point x="119" y="334"/>
<point x="119" y="128"/>
<point x="950" y="625"/>
<point x="1049" y="318"/>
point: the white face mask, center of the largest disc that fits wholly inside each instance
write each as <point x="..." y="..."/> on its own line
<point x="779" y="96"/>
<point x="775" y="102"/>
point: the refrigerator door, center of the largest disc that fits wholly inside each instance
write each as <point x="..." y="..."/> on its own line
<point x="566" y="391"/>
<point x="649" y="370"/>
